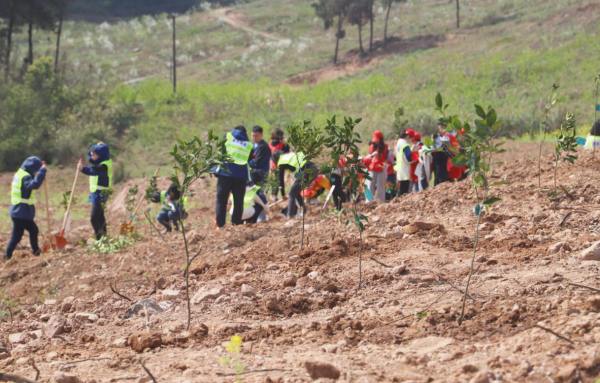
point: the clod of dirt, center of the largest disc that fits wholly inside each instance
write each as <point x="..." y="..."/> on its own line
<point x="60" y="377"/>
<point x="318" y="370"/>
<point x="290" y="281"/>
<point x="144" y="306"/>
<point x="414" y="228"/>
<point x="141" y="341"/>
<point x="55" y="326"/>
<point x="248" y="291"/>
<point x="482" y="377"/>
<point x="208" y="293"/>
<point x="593" y="304"/>
<point x="558" y="248"/>
<point x="592" y="253"/>
<point x="199" y="332"/>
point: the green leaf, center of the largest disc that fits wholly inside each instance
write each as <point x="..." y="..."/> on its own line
<point x="492" y="117"/>
<point x="439" y="102"/>
<point x="480" y="112"/>
<point x="491" y="200"/>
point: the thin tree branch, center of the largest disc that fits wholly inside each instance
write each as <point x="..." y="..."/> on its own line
<point x="113" y="288"/>
<point x="584" y="287"/>
<point x="37" y="370"/>
<point x="148" y="372"/>
<point x="554" y="333"/>
<point x="253" y="372"/>
<point x="380" y="263"/>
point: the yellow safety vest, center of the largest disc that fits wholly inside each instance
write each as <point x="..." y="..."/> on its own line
<point x="251" y="193"/>
<point x="94" y="179"/>
<point x="238" y="151"/>
<point x="402" y="166"/>
<point x="295" y="160"/>
<point x="15" y="196"/>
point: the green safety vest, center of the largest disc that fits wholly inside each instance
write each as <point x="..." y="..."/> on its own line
<point x="592" y="142"/>
<point x="15" y="196"/>
<point x="251" y="193"/>
<point x="402" y="166"/>
<point x="94" y="179"/>
<point x="295" y="160"/>
<point x="238" y="151"/>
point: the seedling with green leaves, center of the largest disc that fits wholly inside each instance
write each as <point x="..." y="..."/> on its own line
<point x="545" y="126"/>
<point x="343" y="141"/>
<point x="233" y="359"/>
<point x="566" y="143"/>
<point x="193" y="160"/>
<point x="478" y="142"/>
<point x="305" y="138"/>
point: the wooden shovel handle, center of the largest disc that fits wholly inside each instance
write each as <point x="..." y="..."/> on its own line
<point x="67" y="213"/>
<point x="48" y="219"/>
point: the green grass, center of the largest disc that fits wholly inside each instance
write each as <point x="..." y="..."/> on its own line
<point x="508" y="54"/>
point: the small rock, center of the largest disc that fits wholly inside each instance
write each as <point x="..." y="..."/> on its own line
<point x="248" y="291"/>
<point x="142" y="307"/>
<point x="290" y="281"/>
<point x="592" y="253"/>
<point x="170" y="293"/>
<point x="55" y="326"/>
<point x="61" y="377"/>
<point x="141" y="341"/>
<point x="399" y="270"/>
<point x="469" y="369"/>
<point x="199" y="332"/>
<point x="559" y="247"/>
<point x="593" y="304"/>
<point x="4" y="355"/>
<point x="482" y="377"/>
<point x="208" y="293"/>
<point x="18" y="338"/>
<point x="50" y="302"/>
<point x="248" y="267"/>
<point x="51" y="356"/>
<point x="89" y="317"/>
<point x="318" y="370"/>
<point x="313" y="275"/>
<point x="120" y="342"/>
<point x="98" y="296"/>
<point x="272" y="267"/>
<point x="161" y="283"/>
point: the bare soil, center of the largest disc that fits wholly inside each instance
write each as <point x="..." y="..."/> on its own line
<point x="299" y="310"/>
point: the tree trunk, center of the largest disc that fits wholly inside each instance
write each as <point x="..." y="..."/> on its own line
<point x="11" y="26"/>
<point x="371" y="22"/>
<point x="457" y="14"/>
<point x="58" y="35"/>
<point x="338" y="37"/>
<point x="387" y="19"/>
<point x="30" y="41"/>
<point x="360" y="40"/>
<point x="174" y="57"/>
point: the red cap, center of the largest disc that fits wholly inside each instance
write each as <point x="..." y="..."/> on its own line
<point x="410" y="132"/>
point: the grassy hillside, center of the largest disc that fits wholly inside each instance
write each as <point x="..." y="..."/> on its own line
<point x="235" y="65"/>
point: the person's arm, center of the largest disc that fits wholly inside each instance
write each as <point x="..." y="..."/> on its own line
<point x="155" y="197"/>
<point x="93" y="170"/>
<point x="31" y="183"/>
<point x="259" y="155"/>
<point x="282" y="180"/>
<point x="408" y="154"/>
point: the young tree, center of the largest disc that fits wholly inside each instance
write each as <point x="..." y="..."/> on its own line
<point x="343" y="142"/>
<point x="545" y="127"/>
<point x="193" y="160"/>
<point x="478" y="142"/>
<point x="358" y="14"/>
<point x="371" y="5"/>
<point x="457" y="14"/>
<point x="328" y="11"/>
<point x="305" y="138"/>
<point x="388" y="8"/>
<point x="566" y="143"/>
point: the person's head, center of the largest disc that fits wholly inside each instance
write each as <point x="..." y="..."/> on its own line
<point x="99" y="152"/>
<point x="404" y="135"/>
<point x="416" y="138"/>
<point x="277" y="135"/>
<point x="377" y="137"/>
<point x="441" y="127"/>
<point x="32" y="165"/>
<point x="257" y="134"/>
<point x="596" y="128"/>
<point x="173" y="192"/>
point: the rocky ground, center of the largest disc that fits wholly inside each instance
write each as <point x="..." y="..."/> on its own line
<point x="529" y="316"/>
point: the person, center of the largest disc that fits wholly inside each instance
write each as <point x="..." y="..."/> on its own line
<point x="278" y="145"/>
<point x="419" y="175"/>
<point x="232" y="176"/>
<point x="28" y="178"/>
<point x="455" y="172"/>
<point x="304" y="173"/>
<point x="377" y="162"/>
<point x="440" y="154"/>
<point x="173" y="207"/>
<point x="425" y="165"/>
<point x="261" y="157"/>
<point x="100" y="172"/>
<point x="402" y="167"/>
<point x="592" y="141"/>
<point x="255" y="204"/>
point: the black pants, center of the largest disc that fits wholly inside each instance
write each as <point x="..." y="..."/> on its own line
<point x="303" y="178"/>
<point x="225" y="187"/>
<point x="338" y="192"/>
<point x="98" y="220"/>
<point x="19" y="227"/>
<point x="403" y="187"/>
<point x="440" y="167"/>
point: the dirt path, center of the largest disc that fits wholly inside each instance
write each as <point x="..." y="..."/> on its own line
<point x="237" y="20"/>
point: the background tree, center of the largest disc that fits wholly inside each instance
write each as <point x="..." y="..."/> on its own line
<point x="387" y="4"/>
<point x="359" y="14"/>
<point x="11" y="11"/>
<point x="328" y="11"/>
<point x="371" y="5"/>
<point x="457" y="14"/>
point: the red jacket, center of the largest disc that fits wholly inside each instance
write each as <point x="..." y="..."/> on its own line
<point x="277" y="147"/>
<point x="377" y="163"/>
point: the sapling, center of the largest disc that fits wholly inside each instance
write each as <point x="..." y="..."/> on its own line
<point x="233" y="359"/>
<point x="305" y="138"/>
<point x="566" y="143"/>
<point x="478" y="141"/>
<point x="545" y="127"/>
<point x="193" y="160"/>
<point x="343" y="142"/>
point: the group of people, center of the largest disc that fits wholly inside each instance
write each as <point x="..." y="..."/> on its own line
<point x="245" y="180"/>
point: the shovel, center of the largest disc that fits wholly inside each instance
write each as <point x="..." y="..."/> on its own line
<point x="59" y="241"/>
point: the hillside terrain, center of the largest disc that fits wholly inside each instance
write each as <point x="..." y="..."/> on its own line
<point x="528" y="318"/>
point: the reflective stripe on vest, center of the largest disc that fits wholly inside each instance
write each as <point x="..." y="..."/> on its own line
<point x="15" y="196"/>
<point x="94" y="179"/>
<point x="251" y="193"/>
<point x="402" y="166"/>
<point x="238" y="151"/>
<point x="295" y="160"/>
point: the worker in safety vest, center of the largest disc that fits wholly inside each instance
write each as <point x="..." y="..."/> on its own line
<point x="277" y="145"/>
<point x="255" y="204"/>
<point x="402" y="167"/>
<point x="28" y="178"/>
<point x="592" y="141"/>
<point x="304" y="173"/>
<point x="173" y="207"/>
<point x="232" y="176"/>
<point x="100" y="171"/>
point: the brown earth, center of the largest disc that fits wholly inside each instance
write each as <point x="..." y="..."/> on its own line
<point x="299" y="310"/>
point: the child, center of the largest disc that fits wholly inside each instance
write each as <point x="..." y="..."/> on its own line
<point x="101" y="175"/>
<point x="29" y="177"/>
<point x="278" y="145"/>
<point x="305" y="172"/>
<point x="173" y="207"/>
<point x="402" y="167"/>
<point x="255" y="204"/>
